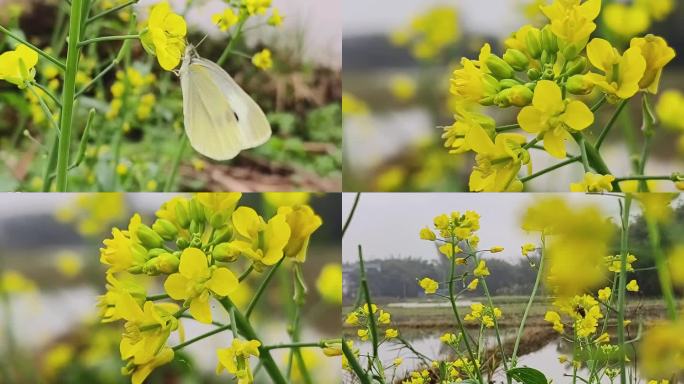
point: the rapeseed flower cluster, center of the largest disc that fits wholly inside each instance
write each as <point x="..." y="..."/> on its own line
<point x="632" y="18"/>
<point x="364" y="318"/>
<point x="544" y="71"/>
<point x="429" y="34"/>
<point x="133" y="88"/>
<point x="193" y="245"/>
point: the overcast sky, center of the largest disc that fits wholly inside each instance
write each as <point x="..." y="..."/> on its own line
<point x="387" y="225"/>
<point x="497" y="17"/>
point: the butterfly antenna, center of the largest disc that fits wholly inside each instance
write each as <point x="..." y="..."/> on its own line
<point x="202" y="41"/>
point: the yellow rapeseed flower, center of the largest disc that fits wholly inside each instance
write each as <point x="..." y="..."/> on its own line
<point x="498" y="162"/>
<point x="670" y="109"/>
<point x="621" y="73"/>
<point x="593" y="183"/>
<point x="657" y="54"/>
<point x="329" y="283"/>
<point x="164" y="35"/>
<point x="226" y="19"/>
<point x="263" y="60"/>
<point x="572" y="20"/>
<point x="18" y="66"/>
<point x="430" y="286"/>
<point x="626" y="20"/>
<point x="235" y="359"/>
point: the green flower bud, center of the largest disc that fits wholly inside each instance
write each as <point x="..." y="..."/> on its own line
<point x="223" y="234"/>
<point x="549" y="41"/>
<point x="500" y="69"/>
<point x="182" y="216"/>
<point x="502" y="99"/>
<point x="219" y="220"/>
<point x="578" y="85"/>
<point x="508" y="83"/>
<point x="571" y="51"/>
<point x="225" y="252"/>
<point x="165" y="229"/>
<point x="167" y="263"/>
<point x="520" y="96"/>
<point x="487" y="101"/>
<point x="148" y="237"/>
<point x="152" y="253"/>
<point x="516" y="59"/>
<point x="533" y="43"/>
<point x="196" y="227"/>
<point x="533" y="74"/>
<point x="579" y="65"/>
<point x="182" y="243"/>
<point x="196" y="211"/>
<point x="491" y="84"/>
<point x="196" y="241"/>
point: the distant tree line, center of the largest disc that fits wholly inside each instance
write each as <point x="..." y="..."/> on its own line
<point x="398" y="277"/>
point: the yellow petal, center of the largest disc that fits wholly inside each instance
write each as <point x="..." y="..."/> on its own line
<point x="601" y="54"/>
<point x="554" y="142"/>
<point x="478" y="140"/>
<point x="547" y="97"/>
<point x="177" y="286"/>
<point x="577" y="115"/>
<point x="531" y="120"/>
<point x="223" y="282"/>
<point x="193" y="263"/>
<point x="200" y="310"/>
<point x="246" y="222"/>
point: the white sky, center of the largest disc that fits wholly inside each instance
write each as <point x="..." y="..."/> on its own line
<point x="497" y="17"/>
<point x="387" y="224"/>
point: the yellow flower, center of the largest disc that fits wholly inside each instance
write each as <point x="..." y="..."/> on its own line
<point x="656" y="206"/>
<point x="626" y="20"/>
<point x="384" y="317"/>
<point x="496" y="249"/>
<point x="658" y="9"/>
<point x="226" y="19"/>
<point x="498" y="162"/>
<point x="279" y="199"/>
<point x="473" y="284"/>
<point x="657" y="54"/>
<point x="448" y="338"/>
<point x="621" y="74"/>
<point x="449" y="250"/>
<point x="469" y="127"/>
<point x="430" y="286"/>
<point x="481" y="270"/>
<point x="391" y="333"/>
<point x="593" y="183"/>
<point x="18" y="66"/>
<point x="554" y="318"/>
<point x="276" y="18"/>
<point x="572" y="21"/>
<point x="303" y="222"/>
<point x="123" y="250"/>
<point x="329" y="283"/>
<point x="235" y="359"/>
<point x="255" y="7"/>
<point x="551" y="116"/>
<point x="670" y="109"/>
<point x="427" y="234"/>
<point x="262" y="242"/>
<point x="120" y="291"/>
<point x="165" y="36"/>
<point x="397" y="362"/>
<point x="526" y="248"/>
<point x="632" y="286"/>
<point x="140" y="372"/>
<point x="604" y="294"/>
<point x="662" y="349"/>
<point x="472" y="84"/>
<point x="196" y="281"/>
<point x="263" y="60"/>
<point x="69" y="264"/>
<point x="14" y="282"/>
<point x="352" y="319"/>
<point x="403" y="87"/>
<point x="604" y="338"/>
<point x="362" y="334"/>
<point x="351" y="105"/>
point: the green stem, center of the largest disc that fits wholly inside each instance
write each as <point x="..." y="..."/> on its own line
<point x="662" y="268"/>
<point x="311" y="344"/>
<point x="157" y="297"/>
<point x="176" y="163"/>
<point x="351" y="214"/>
<point x="585" y="158"/>
<point x="549" y="169"/>
<point x="38" y="50"/>
<point x="48" y="92"/>
<point x="611" y="122"/>
<point x="108" y="38"/>
<point x="530" y="302"/>
<point x="111" y="10"/>
<point x="51" y="163"/>
<point x="496" y="327"/>
<point x="262" y="287"/>
<point x="506" y="128"/>
<point x="648" y="121"/>
<point x="594" y="158"/>
<point x="644" y="178"/>
<point x="200" y="337"/>
<point x="226" y="52"/>
<point x="454" y="309"/>
<point x="246" y="273"/>
<point x="624" y="244"/>
<point x="68" y="91"/>
<point x="354" y="363"/>
<point x="371" y="318"/>
<point x="248" y="332"/>
<point x="599" y="103"/>
<point x="45" y="109"/>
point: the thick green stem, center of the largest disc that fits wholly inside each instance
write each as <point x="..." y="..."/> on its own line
<point x="176" y="163"/>
<point x="662" y="268"/>
<point x="530" y="302"/>
<point x="371" y="317"/>
<point x="611" y="122"/>
<point x="248" y="332"/>
<point x="68" y="91"/>
<point x="262" y="287"/>
<point x="594" y="158"/>
<point x="233" y="40"/>
<point x="624" y="244"/>
<point x="354" y="363"/>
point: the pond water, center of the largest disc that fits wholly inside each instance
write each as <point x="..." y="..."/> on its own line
<point x="427" y="342"/>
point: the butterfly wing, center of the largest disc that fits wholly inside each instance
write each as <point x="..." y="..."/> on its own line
<point x="220" y="118"/>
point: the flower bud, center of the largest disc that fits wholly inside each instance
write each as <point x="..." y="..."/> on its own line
<point x="148" y="237"/>
<point x="182" y="216"/>
<point x="165" y="229"/>
<point x="196" y="211"/>
<point x="223" y="234"/>
<point x="500" y="69"/>
<point x="196" y="241"/>
<point x="576" y="66"/>
<point x="516" y="59"/>
<point x="520" y="96"/>
<point x="196" y="227"/>
<point x="166" y="263"/>
<point x="533" y="42"/>
<point x="502" y="99"/>
<point x="508" y="83"/>
<point x="571" y="51"/>
<point x="549" y="41"/>
<point x="225" y="252"/>
<point x="182" y="243"/>
<point x="533" y="74"/>
<point x="219" y="219"/>
<point x="578" y="85"/>
<point x="152" y="253"/>
<point x="332" y="349"/>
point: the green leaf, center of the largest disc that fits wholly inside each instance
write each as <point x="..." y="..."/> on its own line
<point x="526" y="375"/>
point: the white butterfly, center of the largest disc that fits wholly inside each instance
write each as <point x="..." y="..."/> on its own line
<point x="220" y="118"/>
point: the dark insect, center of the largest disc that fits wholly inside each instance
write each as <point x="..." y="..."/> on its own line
<point x="580" y="311"/>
